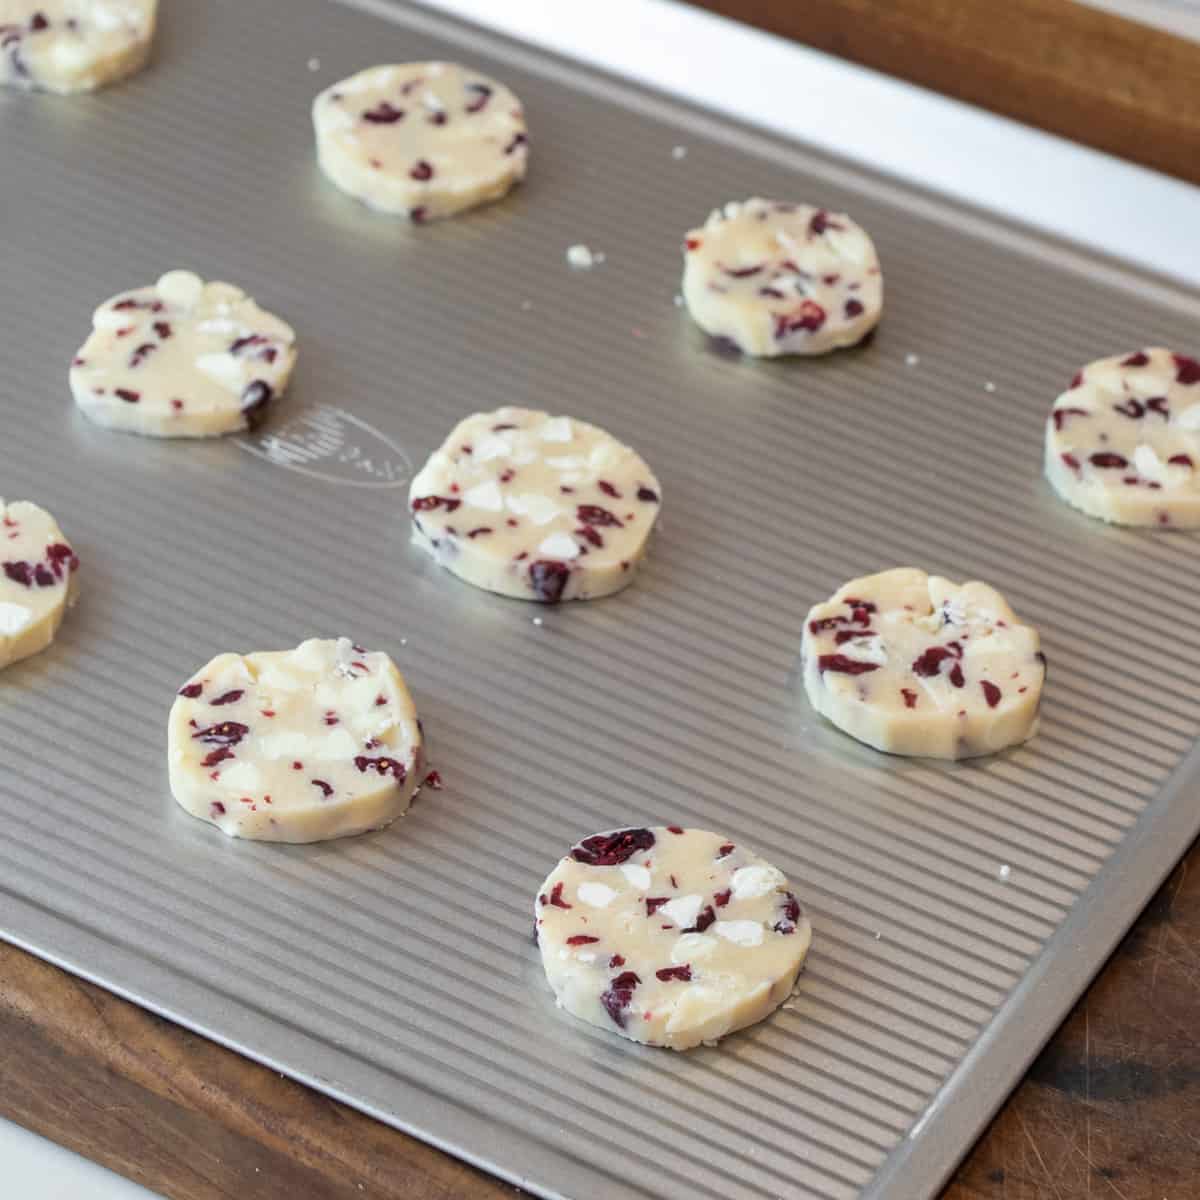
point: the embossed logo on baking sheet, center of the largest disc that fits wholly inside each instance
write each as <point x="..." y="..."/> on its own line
<point x="331" y="444"/>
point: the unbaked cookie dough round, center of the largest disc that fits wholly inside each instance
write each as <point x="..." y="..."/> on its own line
<point x="296" y="745"/>
<point x="182" y="358"/>
<point x="537" y="507"/>
<point x="913" y="664"/>
<point x="73" y="45"/>
<point x="1123" y="441"/>
<point x="779" y="278"/>
<point x="37" y="579"/>
<point x="669" y="936"/>
<point x="425" y="140"/>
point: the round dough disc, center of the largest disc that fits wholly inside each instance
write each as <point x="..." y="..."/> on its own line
<point x="295" y="745"/>
<point x="37" y="579"/>
<point x="669" y="936"/>
<point x="534" y="506"/>
<point x="777" y="278"/>
<point x="1123" y="441"/>
<point x="182" y="358"/>
<point x="913" y="664"/>
<point x="73" y="45"/>
<point x="425" y="140"/>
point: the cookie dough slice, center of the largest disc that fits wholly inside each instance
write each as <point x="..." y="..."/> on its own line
<point x="1123" y="441"/>
<point x="37" y="579"/>
<point x="73" y="45"/>
<point x="779" y="278"/>
<point x="295" y="745"/>
<point x="537" y="507"/>
<point x="182" y="358"/>
<point x="425" y="140"/>
<point x="669" y="936"/>
<point x="913" y="664"/>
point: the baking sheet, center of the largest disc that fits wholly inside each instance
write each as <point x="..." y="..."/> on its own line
<point x="958" y="908"/>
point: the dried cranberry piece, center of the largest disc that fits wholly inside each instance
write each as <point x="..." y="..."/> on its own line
<point x="1140" y="359"/>
<point x="810" y="316"/>
<point x="1187" y="370"/>
<point x="383" y="114"/>
<point x="141" y="353"/>
<point x="791" y="915"/>
<point x="1071" y="461"/>
<point x="518" y="139"/>
<point x="381" y="766"/>
<point x="255" y="399"/>
<point x="421" y="170"/>
<point x="618" y="996"/>
<point x="326" y="790"/>
<point x="1158" y="404"/>
<point x="429" y="503"/>
<point x="1106" y="458"/>
<point x="19" y="572"/>
<point x="418" y="214"/>
<point x="720" y="899"/>
<point x="480" y="531"/>
<point x="608" y="489"/>
<point x="819" y="222"/>
<point x="725" y="849"/>
<point x="163" y="329"/>
<point x="224" y="733"/>
<point x="1076" y="381"/>
<point x="910" y="697"/>
<point x="593" y="514"/>
<point x="991" y="693"/>
<point x="43" y="576"/>
<point x="581" y="939"/>
<point x="1132" y="408"/>
<point x="483" y="94"/>
<point x="683" y="974"/>
<point x="742" y="272"/>
<point x="647" y="495"/>
<point x="126" y="395"/>
<point x="703" y="921"/>
<point x="676" y="829"/>
<point x="1060" y="416"/>
<point x="956" y="675"/>
<point x="824" y="624"/>
<point x="930" y="663"/>
<point x="229" y="697"/>
<point x="1180" y="460"/>
<point x="617" y="960"/>
<point x="612" y="849"/>
<point x="556" y="897"/>
<point x="216" y="809"/>
<point x="853" y="308"/>
<point x="654" y="903"/>
<point x="840" y="664"/>
<point x="191" y="690"/>
<point x="62" y="556"/>
<point x="548" y="580"/>
<point x="38" y="22"/>
<point x="220" y="754"/>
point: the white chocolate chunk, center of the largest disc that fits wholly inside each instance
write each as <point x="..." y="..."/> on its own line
<point x="73" y="45"/>
<point x="1123" y="441"/>
<point x="425" y="140"/>
<point x="507" y="521"/>
<point x="181" y="359"/>
<point x="960" y="675"/>
<point x="675" y="956"/>
<point x="37" y="579"/>
<point x="295" y="745"/>
<point x="777" y="278"/>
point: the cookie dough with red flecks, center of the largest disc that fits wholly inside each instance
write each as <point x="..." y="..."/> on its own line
<point x="669" y="936"/>
<point x="182" y="358"/>
<point x="914" y="664"/>
<point x="424" y="140"/>
<point x="1123" y="441"/>
<point x="37" y="579"/>
<point x="73" y="45"/>
<point x="780" y="278"/>
<point x="296" y="745"/>
<point x="537" y="507"/>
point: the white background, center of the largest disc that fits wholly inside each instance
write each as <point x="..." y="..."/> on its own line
<point x="986" y="160"/>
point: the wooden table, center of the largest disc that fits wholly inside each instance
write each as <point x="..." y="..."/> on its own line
<point x="1109" y="1109"/>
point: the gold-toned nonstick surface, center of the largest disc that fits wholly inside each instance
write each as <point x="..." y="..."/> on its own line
<point x="959" y="908"/>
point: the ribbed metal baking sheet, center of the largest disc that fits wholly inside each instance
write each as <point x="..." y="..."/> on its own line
<point x="959" y="908"/>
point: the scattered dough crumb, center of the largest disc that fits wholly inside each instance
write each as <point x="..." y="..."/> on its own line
<point x="989" y="386"/>
<point x="678" y="152"/>
<point x="1005" y="871"/>
<point x="911" y="360"/>
<point x="537" y="620"/>
<point x="580" y="256"/>
<point x="314" y="64"/>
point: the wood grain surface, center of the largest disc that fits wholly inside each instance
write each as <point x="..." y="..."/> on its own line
<point x="1109" y="1109"/>
<point x="1088" y="75"/>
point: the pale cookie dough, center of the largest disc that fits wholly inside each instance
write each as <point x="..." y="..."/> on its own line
<point x="73" y="45"/>
<point x="37" y="579"/>
<point x="1123" y="441"/>
<point x="669" y="936"/>
<point x="913" y="664"/>
<point x="425" y="140"/>
<point x="776" y="278"/>
<point x="183" y="358"/>
<point x="534" y="506"/>
<point x="296" y="745"/>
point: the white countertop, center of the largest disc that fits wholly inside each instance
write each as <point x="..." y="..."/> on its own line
<point x="964" y="152"/>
